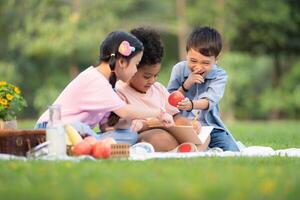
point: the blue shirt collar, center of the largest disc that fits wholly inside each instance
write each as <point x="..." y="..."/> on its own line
<point x="212" y="74"/>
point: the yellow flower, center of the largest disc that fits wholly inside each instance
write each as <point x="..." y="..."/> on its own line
<point x="2" y="83"/>
<point x="9" y="97"/>
<point x="3" y="102"/>
<point x="10" y="93"/>
<point x="17" y="90"/>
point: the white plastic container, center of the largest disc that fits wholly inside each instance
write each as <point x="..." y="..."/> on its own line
<point x="55" y="132"/>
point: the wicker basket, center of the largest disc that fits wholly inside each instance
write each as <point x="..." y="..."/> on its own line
<point x="119" y="151"/>
<point x="18" y="142"/>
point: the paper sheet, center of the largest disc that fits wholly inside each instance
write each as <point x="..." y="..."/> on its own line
<point x="205" y="132"/>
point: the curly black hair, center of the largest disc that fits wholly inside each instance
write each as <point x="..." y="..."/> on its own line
<point x="153" y="46"/>
<point x="153" y="53"/>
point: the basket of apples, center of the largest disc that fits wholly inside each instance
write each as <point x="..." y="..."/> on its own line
<point x="106" y="148"/>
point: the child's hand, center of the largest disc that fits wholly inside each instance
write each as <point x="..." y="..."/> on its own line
<point x="136" y="125"/>
<point x="194" y="77"/>
<point x="185" y="104"/>
<point x="167" y="119"/>
<point x="197" y="126"/>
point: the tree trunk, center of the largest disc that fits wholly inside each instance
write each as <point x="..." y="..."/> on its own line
<point x="221" y="22"/>
<point x="74" y="71"/>
<point x="276" y="76"/>
<point x="182" y="27"/>
<point x="229" y="115"/>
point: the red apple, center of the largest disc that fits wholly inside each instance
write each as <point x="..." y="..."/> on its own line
<point x="82" y="148"/>
<point x="91" y="140"/>
<point x="101" y="149"/>
<point x="175" y="97"/>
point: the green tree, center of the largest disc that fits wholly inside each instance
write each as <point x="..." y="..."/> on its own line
<point x="51" y="41"/>
<point x="273" y="29"/>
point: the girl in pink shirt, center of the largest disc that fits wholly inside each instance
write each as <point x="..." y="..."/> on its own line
<point x="90" y="97"/>
<point x="142" y="90"/>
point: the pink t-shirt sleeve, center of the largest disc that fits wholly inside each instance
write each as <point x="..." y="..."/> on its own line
<point x="102" y="100"/>
<point x="122" y="96"/>
<point x="89" y="98"/>
<point x="100" y="97"/>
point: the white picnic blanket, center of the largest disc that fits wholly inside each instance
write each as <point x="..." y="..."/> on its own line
<point x="148" y="153"/>
<point x="253" y="151"/>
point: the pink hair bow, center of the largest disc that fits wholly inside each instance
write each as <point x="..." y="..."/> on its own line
<point x="125" y="49"/>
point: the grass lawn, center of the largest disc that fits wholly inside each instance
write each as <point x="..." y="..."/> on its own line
<point x="198" y="178"/>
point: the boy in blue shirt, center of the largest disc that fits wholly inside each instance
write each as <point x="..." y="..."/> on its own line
<point x="203" y="84"/>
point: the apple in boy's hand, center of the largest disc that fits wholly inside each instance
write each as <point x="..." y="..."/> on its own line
<point x="82" y="148"/>
<point x="175" y="97"/>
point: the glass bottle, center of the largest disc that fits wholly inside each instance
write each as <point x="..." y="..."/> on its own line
<point x="55" y="132"/>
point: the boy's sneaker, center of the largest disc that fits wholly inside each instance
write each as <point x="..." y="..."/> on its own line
<point x="141" y="148"/>
<point x="215" y="150"/>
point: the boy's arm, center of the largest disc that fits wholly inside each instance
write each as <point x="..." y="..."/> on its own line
<point x="210" y="97"/>
<point x="194" y="77"/>
<point x="174" y="82"/>
<point x="201" y="104"/>
<point x="214" y="92"/>
<point x="188" y="104"/>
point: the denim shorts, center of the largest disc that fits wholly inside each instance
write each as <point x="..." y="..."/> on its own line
<point x="82" y="128"/>
<point x="120" y="135"/>
<point x="223" y="140"/>
<point x="42" y="125"/>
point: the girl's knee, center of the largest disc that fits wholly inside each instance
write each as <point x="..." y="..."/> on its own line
<point x="161" y="140"/>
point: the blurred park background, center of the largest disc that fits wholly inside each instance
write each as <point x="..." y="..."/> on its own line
<point x="45" y="43"/>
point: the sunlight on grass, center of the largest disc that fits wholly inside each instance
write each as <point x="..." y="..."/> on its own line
<point x="196" y="178"/>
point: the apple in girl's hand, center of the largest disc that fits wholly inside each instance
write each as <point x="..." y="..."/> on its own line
<point x="82" y="148"/>
<point x="90" y="140"/>
<point x="101" y="149"/>
<point x="175" y="97"/>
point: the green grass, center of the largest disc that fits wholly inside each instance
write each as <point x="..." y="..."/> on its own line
<point x="276" y="134"/>
<point x="197" y="178"/>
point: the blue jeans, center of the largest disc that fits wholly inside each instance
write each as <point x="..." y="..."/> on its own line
<point x="82" y="128"/>
<point x="223" y="140"/>
<point x="120" y="135"/>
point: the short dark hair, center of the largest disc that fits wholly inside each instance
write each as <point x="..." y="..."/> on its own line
<point x="205" y="40"/>
<point x="153" y="46"/>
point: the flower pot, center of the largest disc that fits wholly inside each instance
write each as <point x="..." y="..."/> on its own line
<point x="12" y="124"/>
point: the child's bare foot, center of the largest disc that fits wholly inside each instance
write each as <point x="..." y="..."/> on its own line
<point x="201" y="147"/>
<point x="204" y="147"/>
